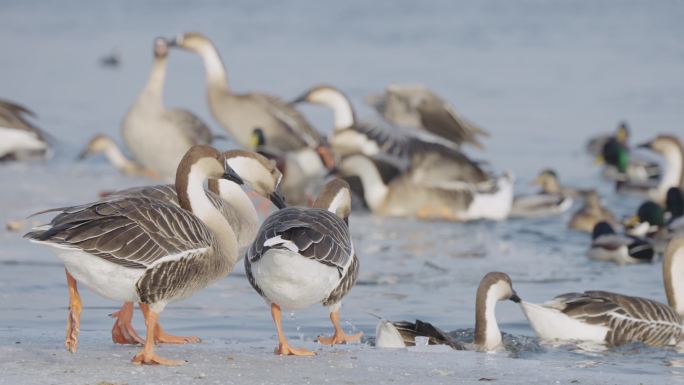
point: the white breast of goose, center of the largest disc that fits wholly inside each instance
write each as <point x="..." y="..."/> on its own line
<point x="14" y="140"/>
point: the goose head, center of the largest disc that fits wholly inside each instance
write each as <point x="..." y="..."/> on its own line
<point x="257" y="172"/>
<point x="99" y="144"/>
<point x="336" y="198"/>
<point x="494" y="287"/>
<point x="191" y="41"/>
<point x="161" y="48"/>
<point x="663" y="144"/>
<point x="333" y="98"/>
<point x="648" y="219"/>
<point x="548" y="181"/>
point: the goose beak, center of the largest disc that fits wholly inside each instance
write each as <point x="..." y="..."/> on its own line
<point x="646" y="145"/>
<point x="514" y="297"/>
<point x="174" y="41"/>
<point x="231" y="175"/>
<point x="278" y="199"/>
<point x="83" y="154"/>
<point x="301" y="98"/>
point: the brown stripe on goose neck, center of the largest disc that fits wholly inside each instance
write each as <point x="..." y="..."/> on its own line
<point x="675" y="246"/>
<point x="481" y="304"/>
<point x="328" y="194"/>
<point x="194" y="154"/>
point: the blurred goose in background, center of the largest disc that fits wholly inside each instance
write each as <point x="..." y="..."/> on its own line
<point x="20" y="139"/>
<point x="615" y="319"/>
<point x="418" y="107"/>
<point x="606" y="245"/>
<point x="621" y="136"/>
<point x="493" y="287"/>
<point x="102" y="144"/>
<point x="552" y="199"/>
<point x="670" y="149"/>
<point x="156" y="136"/>
<point x="135" y="248"/>
<point x="304" y="256"/>
<point x="590" y="214"/>
<point x="284" y="128"/>
<point x="620" y="164"/>
<point x="429" y="158"/>
<point x="303" y="170"/>
<point x="234" y="204"/>
<point x="448" y="200"/>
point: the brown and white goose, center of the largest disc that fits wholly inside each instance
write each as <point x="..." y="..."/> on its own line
<point x="140" y="249"/>
<point x="284" y="128"/>
<point x="233" y="203"/>
<point x="418" y="107"/>
<point x="429" y="157"/>
<point x="156" y="136"/>
<point x="102" y="144"/>
<point x="493" y="287"/>
<point x="304" y="256"/>
<point x="447" y="200"/>
<point x="19" y="138"/>
<point x="616" y="319"/>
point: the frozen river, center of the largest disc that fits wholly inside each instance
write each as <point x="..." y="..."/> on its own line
<point x="540" y="76"/>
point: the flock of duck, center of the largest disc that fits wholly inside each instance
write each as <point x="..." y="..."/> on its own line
<point x="154" y="245"/>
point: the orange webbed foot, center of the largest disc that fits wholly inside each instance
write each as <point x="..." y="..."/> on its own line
<point x="287" y="350"/>
<point x="72" y="330"/>
<point x="123" y="331"/>
<point x="143" y="358"/>
<point x="163" y="338"/>
<point x="340" y="338"/>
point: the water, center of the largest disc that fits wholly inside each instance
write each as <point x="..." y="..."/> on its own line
<point x="541" y="77"/>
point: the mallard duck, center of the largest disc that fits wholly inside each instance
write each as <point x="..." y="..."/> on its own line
<point x="620" y="166"/>
<point x="606" y="245"/>
<point x="493" y="287"/>
<point x="590" y="214"/>
<point x="615" y="319"/>
<point x="552" y="199"/>
<point x="621" y="135"/>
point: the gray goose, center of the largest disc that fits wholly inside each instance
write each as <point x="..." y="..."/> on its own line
<point x="447" y="200"/>
<point x="418" y="107"/>
<point x="284" y="128"/>
<point x="158" y="137"/>
<point x="304" y="256"/>
<point x="429" y="157"/>
<point x="493" y="287"/>
<point x="102" y="144"/>
<point x="136" y="248"/>
<point x="19" y="138"/>
<point x="233" y="203"/>
<point x="615" y="319"/>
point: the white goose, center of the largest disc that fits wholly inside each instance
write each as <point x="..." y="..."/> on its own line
<point x="304" y="256"/>
<point x="449" y="200"/>
<point x="135" y="248"/>
<point x="156" y="136"/>
<point x="430" y="157"/>
<point x="19" y="138"/>
<point x="493" y="287"/>
<point x="233" y="203"/>
<point x="615" y="319"/>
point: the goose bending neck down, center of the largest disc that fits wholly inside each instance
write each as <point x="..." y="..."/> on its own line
<point x="331" y="97"/>
<point x="304" y="256"/>
<point x="102" y="144"/>
<point x="616" y="319"/>
<point x="493" y="287"/>
<point x="138" y="248"/>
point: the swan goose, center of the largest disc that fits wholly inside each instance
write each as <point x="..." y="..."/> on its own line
<point x="493" y="287"/>
<point x="304" y="256"/>
<point x="615" y="319"/>
<point x="156" y="136"/>
<point x="19" y="138"/>
<point x="135" y="248"/>
<point x="448" y="200"/>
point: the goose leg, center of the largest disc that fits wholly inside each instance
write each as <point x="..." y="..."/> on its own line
<point x="340" y="337"/>
<point x="147" y="355"/>
<point x="284" y="348"/>
<point x="123" y="331"/>
<point x="162" y="337"/>
<point x="74" y="318"/>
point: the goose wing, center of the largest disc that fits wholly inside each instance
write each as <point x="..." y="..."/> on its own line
<point x="13" y="115"/>
<point x="131" y="231"/>
<point x="439" y="118"/>
<point x="410" y="330"/>
<point x="194" y="127"/>
<point x="629" y="319"/>
<point x="290" y="118"/>
<point x="313" y="233"/>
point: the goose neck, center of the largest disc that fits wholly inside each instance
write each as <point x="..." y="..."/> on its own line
<point x="118" y="159"/>
<point x="246" y="219"/>
<point x="217" y="79"/>
<point x="152" y="93"/>
<point x="674" y="167"/>
<point x="673" y="271"/>
<point x="374" y="189"/>
<point x="487" y="333"/>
